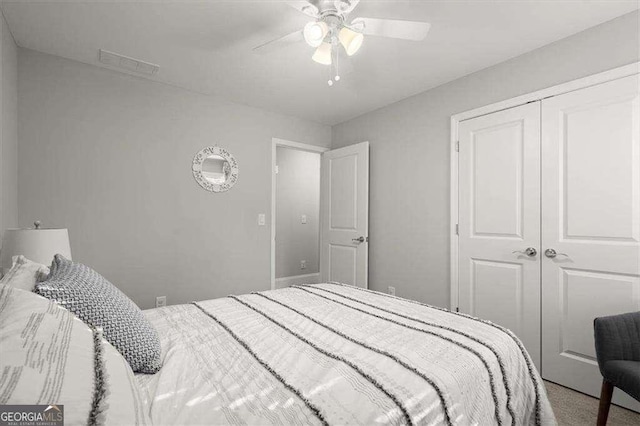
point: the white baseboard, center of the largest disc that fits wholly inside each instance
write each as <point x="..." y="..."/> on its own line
<point x="298" y="279"/>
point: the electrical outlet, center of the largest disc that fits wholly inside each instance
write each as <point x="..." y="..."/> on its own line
<point x="303" y="219"/>
<point x="161" y="301"/>
<point x="392" y="291"/>
<point x="303" y="264"/>
<point x="262" y="220"/>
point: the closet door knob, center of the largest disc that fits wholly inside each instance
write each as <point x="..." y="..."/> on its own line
<point x="358" y="240"/>
<point x="551" y="253"/>
<point x="530" y="251"/>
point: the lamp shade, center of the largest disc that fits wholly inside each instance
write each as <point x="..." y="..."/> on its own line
<point x="37" y="245"/>
<point x="314" y="33"/>
<point x="350" y="40"/>
<point x="322" y="54"/>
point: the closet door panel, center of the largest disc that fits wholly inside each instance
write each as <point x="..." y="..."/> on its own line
<point x="591" y="219"/>
<point x="499" y="218"/>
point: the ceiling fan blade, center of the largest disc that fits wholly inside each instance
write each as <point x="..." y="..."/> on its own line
<point x="405" y="30"/>
<point x="279" y="43"/>
<point x="306" y="7"/>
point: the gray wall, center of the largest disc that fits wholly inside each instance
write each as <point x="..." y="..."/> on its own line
<point x="297" y="193"/>
<point x="108" y="156"/>
<point x="409" y="183"/>
<point x="8" y="129"/>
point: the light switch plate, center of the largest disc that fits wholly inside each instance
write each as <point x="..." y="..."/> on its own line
<point x="303" y="219"/>
<point x="262" y="220"/>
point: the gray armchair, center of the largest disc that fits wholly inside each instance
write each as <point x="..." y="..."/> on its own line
<point x="618" y="350"/>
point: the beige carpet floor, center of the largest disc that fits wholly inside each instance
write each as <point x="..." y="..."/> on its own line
<point x="577" y="409"/>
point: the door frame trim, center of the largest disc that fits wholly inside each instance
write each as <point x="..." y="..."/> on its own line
<point x="570" y="86"/>
<point x="276" y="142"/>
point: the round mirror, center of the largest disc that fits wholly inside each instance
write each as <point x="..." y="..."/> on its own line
<point x="215" y="169"/>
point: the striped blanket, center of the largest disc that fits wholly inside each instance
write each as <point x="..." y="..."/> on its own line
<point x="336" y="354"/>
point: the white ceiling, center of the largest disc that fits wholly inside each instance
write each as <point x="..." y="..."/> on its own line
<point x="206" y="46"/>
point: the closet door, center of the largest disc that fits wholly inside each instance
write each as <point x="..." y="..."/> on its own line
<point x="499" y="221"/>
<point x="591" y="223"/>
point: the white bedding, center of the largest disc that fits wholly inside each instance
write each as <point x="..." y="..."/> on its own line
<point x="334" y="354"/>
<point x="50" y="357"/>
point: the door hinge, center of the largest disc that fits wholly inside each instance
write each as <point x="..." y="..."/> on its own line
<point x="457" y="229"/>
<point x="458" y="146"/>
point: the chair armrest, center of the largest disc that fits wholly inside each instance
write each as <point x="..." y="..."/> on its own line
<point x="617" y="337"/>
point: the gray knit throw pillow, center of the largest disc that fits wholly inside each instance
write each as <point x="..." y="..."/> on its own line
<point x="99" y="303"/>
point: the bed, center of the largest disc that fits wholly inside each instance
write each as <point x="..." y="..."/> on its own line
<point x="336" y="354"/>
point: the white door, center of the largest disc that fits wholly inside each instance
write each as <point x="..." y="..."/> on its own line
<point x="591" y="218"/>
<point x="344" y="205"/>
<point x="499" y="221"/>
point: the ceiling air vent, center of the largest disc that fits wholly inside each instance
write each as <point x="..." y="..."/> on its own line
<point x="131" y="64"/>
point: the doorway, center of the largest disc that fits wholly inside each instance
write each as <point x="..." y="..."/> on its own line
<point x="295" y="213"/>
<point x="319" y="214"/>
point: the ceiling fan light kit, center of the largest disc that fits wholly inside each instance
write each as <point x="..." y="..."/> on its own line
<point x="315" y="32"/>
<point x="350" y="40"/>
<point x="322" y="54"/>
<point x="328" y="30"/>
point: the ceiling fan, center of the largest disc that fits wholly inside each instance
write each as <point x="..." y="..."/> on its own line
<point x="330" y="28"/>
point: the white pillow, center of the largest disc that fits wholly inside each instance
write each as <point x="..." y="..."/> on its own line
<point x="24" y="274"/>
<point x="50" y="357"/>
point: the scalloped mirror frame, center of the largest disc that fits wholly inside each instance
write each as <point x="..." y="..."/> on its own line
<point x="196" y="169"/>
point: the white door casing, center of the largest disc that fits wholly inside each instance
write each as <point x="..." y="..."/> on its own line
<point x="591" y="217"/>
<point x="499" y="219"/>
<point x="344" y="205"/>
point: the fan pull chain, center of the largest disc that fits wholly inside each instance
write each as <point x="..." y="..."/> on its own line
<point x="334" y="75"/>
<point x="337" y="74"/>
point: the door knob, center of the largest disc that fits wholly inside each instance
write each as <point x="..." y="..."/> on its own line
<point x="551" y="253"/>
<point x="358" y="240"/>
<point x="530" y="251"/>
